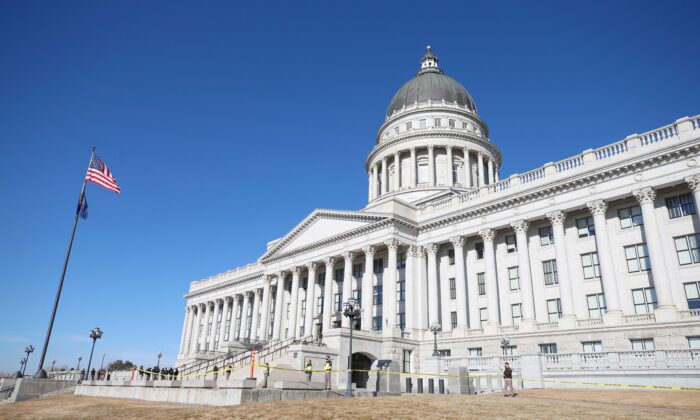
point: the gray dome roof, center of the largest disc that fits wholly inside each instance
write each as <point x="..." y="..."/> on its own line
<point x="430" y="84"/>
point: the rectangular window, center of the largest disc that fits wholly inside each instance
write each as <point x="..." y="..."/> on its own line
<point x="378" y="266"/>
<point x="475" y="351"/>
<point x="637" y="258"/>
<point x="289" y="304"/>
<point x="514" y="278"/>
<point x="692" y="293"/>
<point x="451" y="256"/>
<point x="401" y="260"/>
<point x="546" y="235"/>
<point x="377" y="322"/>
<point x="483" y="316"/>
<point x="687" y="249"/>
<point x="516" y="313"/>
<point x="694" y="342"/>
<point x="680" y="205"/>
<point x="319" y="305"/>
<point x="554" y="309"/>
<point x="596" y="305"/>
<point x="511" y="245"/>
<point x="548" y="348"/>
<point x="357" y="294"/>
<point x="402" y="321"/>
<point x="358" y="270"/>
<point x="400" y="291"/>
<point x="591" y="265"/>
<point x="592" y="346"/>
<point x="630" y="217"/>
<point x="644" y="300"/>
<point x="453" y="319"/>
<point x="479" y="248"/>
<point x="642" y="344"/>
<point x="338" y="300"/>
<point x="585" y="227"/>
<point x="422" y="123"/>
<point x="510" y="350"/>
<point x="339" y="274"/>
<point x="377" y="296"/>
<point x="406" y="361"/>
<point x="451" y="123"/>
<point x="549" y="268"/>
<point x="481" y="281"/>
<point x="453" y="289"/>
<point x="409" y="126"/>
<point x="465" y="125"/>
<point x="437" y="122"/>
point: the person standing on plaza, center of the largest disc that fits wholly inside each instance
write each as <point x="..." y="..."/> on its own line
<point x="266" y="374"/>
<point x="327" y="370"/>
<point x="308" y="369"/>
<point x="508" y="381"/>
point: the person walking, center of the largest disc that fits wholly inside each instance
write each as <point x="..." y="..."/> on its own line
<point x="228" y="371"/>
<point x="327" y="368"/>
<point x="266" y="374"/>
<point x="308" y="369"/>
<point x="216" y="372"/>
<point x="92" y="374"/>
<point x="508" y="381"/>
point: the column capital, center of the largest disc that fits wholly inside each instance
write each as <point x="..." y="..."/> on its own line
<point x="368" y="250"/>
<point x="312" y="266"/>
<point x="227" y="299"/>
<point x="349" y="256"/>
<point x="392" y="243"/>
<point x="431" y="147"/>
<point x="431" y="249"/>
<point x="645" y="195"/>
<point x="556" y="217"/>
<point x="269" y="278"/>
<point x="296" y="271"/>
<point x="480" y="155"/>
<point x="693" y="182"/>
<point x="519" y="226"/>
<point x="238" y="297"/>
<point x="249" y="293"/>
<point x="457" y="241"/>
<point x="597" y="207"/>
<point x="413" y="150"/>
<point x="396" y="155"/>
<point x="329" y="261"/>
<point x="487" y="234"/>
<point x="282" y="275"/>
<point x="413" y="250"/>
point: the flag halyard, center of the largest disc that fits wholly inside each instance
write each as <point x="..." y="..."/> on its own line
<point x="99" y="174"/>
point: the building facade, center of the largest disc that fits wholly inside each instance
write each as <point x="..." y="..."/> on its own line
<point x="595" y="253"/>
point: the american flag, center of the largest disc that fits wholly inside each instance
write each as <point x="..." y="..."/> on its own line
<point x="99" y="174"/>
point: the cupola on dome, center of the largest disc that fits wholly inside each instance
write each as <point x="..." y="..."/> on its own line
<point x="430" y="85"/>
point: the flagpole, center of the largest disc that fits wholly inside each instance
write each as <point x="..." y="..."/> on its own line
<point x="41" y="373"/>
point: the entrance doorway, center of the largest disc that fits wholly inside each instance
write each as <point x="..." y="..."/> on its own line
<point x="361" y="361"/>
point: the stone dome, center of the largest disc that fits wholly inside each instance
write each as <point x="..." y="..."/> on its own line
<point x="430" y="84"/>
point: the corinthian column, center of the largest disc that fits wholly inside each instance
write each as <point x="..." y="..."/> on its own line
<point x="375" y="182"/>
<point x="368" y="289"/>
<point x="666" y="310"/>
<point x="568" y="319"/>
<point x="413" y="168"/>
<point x="296" y="273"/>
<point x="328" y="294"/>
<point x="222" y="327"/>
<point x="490" y="166"/>
<point x="385" y="178"/>
<point x="467" y="170"/>
<point x="245" y="324"/>
<point x="397" y="177"/>
<point x="433" y="299"/>
<point x="449" y="181"/>
<point x="410" y="277"/>
<point x="347" y="283"/>
<point x="694" y="185"/>
<point x="524" y="273"/>
<point x="389" y="289"/>
<point x="487" y="235"/>
<point x="257" y="294"/>
<point x="461" y="282"/>
<point x="197" y="329"/>
<point x="480" y="169"/>
<point x="310" y="301"/>
<point x="431" y="165"/>
<point x="613" y="315"/>
<point x="279" y="308"/>
<point x="185" y="325"/>
<point x="263" y="333"/>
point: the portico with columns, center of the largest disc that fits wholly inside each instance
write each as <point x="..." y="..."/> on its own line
<point x="587" y="249"/>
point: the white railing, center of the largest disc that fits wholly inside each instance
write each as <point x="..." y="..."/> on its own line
<point x="481" y="363"/>
<point x="639" y="319"/>
<point x="589" y="159"/>
<point x="508" y="328"/>
<point x="475" y="331"/>
<point x="683" y="358"/>
<point x="592" y="322"/>
<point x="637" y="359"/>
<point x="547" y="325"/>
<point x="693" y="313"/>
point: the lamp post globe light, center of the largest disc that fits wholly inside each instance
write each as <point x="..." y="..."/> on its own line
<point x="505" y="341"/>
<point x="22" y="362"/>
<point x="29" y="350"/>
<point x="53" y="363"/>
<point x="95" y="334"/>
<point x="435" y="328"/>
<point x="159" y="355"/>
<point x="80" y="358"/>
<point x="352" y="311"/>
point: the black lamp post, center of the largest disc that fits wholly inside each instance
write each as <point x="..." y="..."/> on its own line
<point x="29" y="350"/>
<point x="159" y="355"/>
<point x="53" y="363"/>
<point x="95" y="334"/>
<point x="435" y="328"/>
<point x="103" y="360"/>
<point x="352" y="311"/>
<point x="22" y="363"/>
<point x="80" y="358"/>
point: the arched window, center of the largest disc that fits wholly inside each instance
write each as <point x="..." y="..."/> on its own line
<point x="423" y="171"/>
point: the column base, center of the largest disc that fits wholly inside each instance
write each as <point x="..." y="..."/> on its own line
<point x="666" y="313"/>
<point x="568" y="322"/>
<point x="528" y="325"/>
<point x="611" y="318"/>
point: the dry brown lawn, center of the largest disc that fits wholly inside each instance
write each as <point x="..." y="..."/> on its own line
<point x="612" y="404"/>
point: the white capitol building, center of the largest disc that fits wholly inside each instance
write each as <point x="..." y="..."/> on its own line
<point x="593" y="259"/>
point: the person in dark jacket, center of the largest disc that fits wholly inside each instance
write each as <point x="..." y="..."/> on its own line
<point x="92" y="374"/>
<point x="508" y="381"/>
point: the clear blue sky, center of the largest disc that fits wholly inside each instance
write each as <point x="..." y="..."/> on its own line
<point x="227" y="124"/>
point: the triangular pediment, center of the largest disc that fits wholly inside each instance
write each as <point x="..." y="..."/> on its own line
<point x="320" y="226"/>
